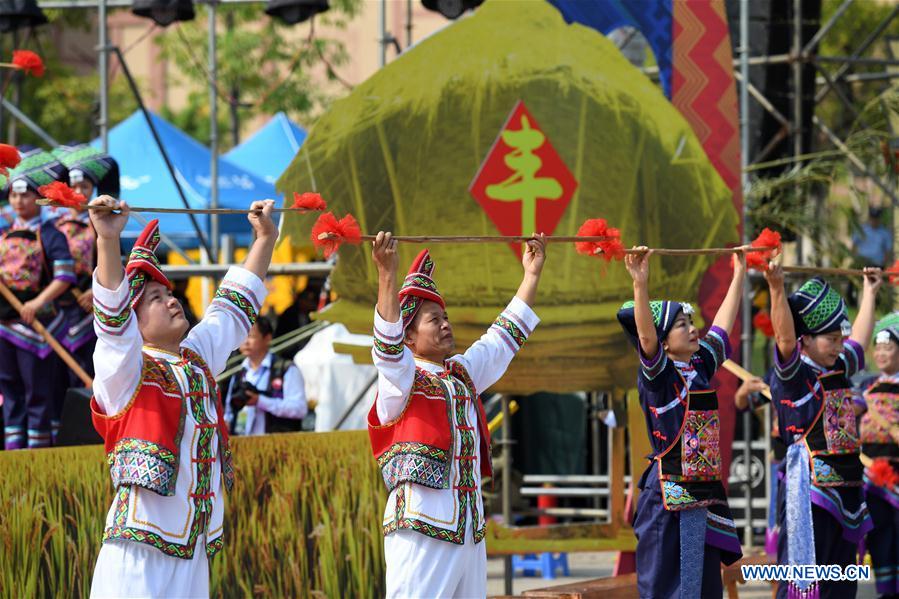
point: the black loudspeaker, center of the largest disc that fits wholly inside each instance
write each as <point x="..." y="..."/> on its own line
<point x="76" y="426"/>
<point x="451" y="9"/>
<point x="164" y="12"/>
<point x="295" y="11"/>
<point x="20" y="14"/>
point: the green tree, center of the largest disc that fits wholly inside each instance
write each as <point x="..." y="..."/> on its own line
<point x="64" y="102"/>
<point x="261" y="67"/>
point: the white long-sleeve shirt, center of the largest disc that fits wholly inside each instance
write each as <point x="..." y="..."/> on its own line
<point x="485" y="361"/>
<point x="291" y="405"/>
<point x="118" y="363"/>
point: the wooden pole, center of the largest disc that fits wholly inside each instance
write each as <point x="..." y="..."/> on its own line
<point x="744" y="375"/>
<point x="103" y="208"/>
<point x="57" y="347"/>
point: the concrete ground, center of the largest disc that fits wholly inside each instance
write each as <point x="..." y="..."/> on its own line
<point x="586" y="566"/>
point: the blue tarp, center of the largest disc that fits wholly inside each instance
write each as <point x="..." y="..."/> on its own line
<point x="146" y="180"/>
<point x="653" y="18"/>
<point x="269" y="151"/>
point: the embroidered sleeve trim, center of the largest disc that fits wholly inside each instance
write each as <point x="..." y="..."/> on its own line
<point x="239" y="301"/>
<point x="511" y="329"/>
<point x="112" y="319"/>
<point x="854" y="356"/>
<point x="417" y="463"/>
<point x="786" y="369"/>
<point x="390" y="352"/>
<point x="64" y="270"/>
<point x="143" y="464"/>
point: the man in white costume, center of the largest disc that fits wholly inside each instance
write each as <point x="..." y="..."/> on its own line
<point x="428" y="428"/>
<point x="157" y="408"/>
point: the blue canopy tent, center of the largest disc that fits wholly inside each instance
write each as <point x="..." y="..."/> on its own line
<point x="146" y="180"/>
<point x="268" y="152"/>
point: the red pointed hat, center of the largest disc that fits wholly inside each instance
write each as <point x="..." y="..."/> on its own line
<point x="143" y="265"/>
<point x="418" y="286"/>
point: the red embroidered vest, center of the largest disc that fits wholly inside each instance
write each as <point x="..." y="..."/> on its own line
<point x="143" y="441"/>
<point x="417" y="446"/>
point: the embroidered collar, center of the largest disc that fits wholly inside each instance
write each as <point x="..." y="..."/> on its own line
<point x="687" y="371"/>
<point x="161" y="353"/>
<point x="817" y="367"/>
<point x="429" y="366"/>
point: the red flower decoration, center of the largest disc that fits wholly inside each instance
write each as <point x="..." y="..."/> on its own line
<point x="759" y="260"/>
<point x="762" y="322"/>
<point x="9" y="158"/>
<point x="308" y="201"/>
<point x="62" y="195"/>
<point x="882" y="474"/>
<point x="329" y="233"/>
<point x="608" y="250"/>
<point x="893" y="273"/>
<point x="29" y="62"/>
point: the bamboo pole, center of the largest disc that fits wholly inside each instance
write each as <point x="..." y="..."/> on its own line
<point x="57" y="347"/>
<point x="103" y="208"/>
<point x="822" y="270"/>
<point x="472" y="238"/>
<point x="744" y="375"/>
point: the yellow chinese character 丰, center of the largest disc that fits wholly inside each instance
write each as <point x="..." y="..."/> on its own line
<point x="524" y="186"/>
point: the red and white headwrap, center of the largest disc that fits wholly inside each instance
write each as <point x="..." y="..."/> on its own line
<point x="417" y="287"/>
<point x="143" y="265"/>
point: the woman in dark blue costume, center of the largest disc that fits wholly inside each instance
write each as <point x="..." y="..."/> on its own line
<point x="821" y="510"/>
<point x="879" y="432"/>
<point x="683" y="525"/>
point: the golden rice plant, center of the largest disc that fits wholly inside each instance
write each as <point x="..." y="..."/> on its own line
<point x="303" y="519"/>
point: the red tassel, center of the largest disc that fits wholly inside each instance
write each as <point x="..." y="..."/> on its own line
<point x="9" y="158"/>
<point x="62" y="195"/>
<point x="308" y="201"/>
<point x="29" y="62"/>
<point x="882" y="474"/>
<point x="329" y="233"/>
<point x="759" y="260"/>
<point x="762" y="322"/>
<point x="608" y="250"/>
<point x="893" y="273"/>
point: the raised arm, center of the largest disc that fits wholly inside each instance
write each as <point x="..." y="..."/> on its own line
<point x="117" y="357"/>
<point x="394" y="361"/>
<point x="109" y="226"/>
<point x="532" y="261"/>
<point x="781" y="317"/>
<point x="384" y="253"/>
<point x="863" y="326"/>
<point x="260" y="255"/>
<point x="727" y="312"/>
<point x="638" y="267"/>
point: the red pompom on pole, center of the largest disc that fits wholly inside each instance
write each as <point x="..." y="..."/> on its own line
<point x="762" y="322"/>
<point x="62" y="195"/>
<point x="29" y="62"/>
<point x="892" y="273"/>
<point x="9" y="158"/>
<point x="882" y="474"/>
<point x="766" y="239"/>
<point x="329" y="233"/>
<point x="308" y="201"/>
<point x="608" y="250"/>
